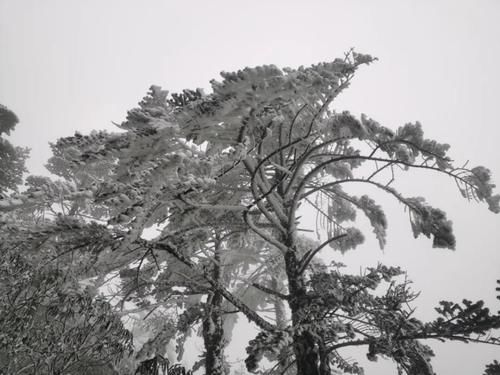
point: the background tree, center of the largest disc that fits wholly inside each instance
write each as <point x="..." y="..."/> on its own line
<point x="492" y="369"/>
<point x="50" y="323"/>
<point x="52" y="326"/>
<point x="12" y="158"/>
<point x="147" y="196"/>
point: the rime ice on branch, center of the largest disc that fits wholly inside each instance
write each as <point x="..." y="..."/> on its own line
<point x="222" y="176"/>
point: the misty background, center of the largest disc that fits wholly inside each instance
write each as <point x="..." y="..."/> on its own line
<point x="68" y="65"/>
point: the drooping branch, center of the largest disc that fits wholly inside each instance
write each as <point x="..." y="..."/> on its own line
<point x="299" y="193"/>
<point x="419" y="336"/>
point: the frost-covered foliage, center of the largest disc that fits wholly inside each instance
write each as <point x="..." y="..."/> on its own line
<point x="50" y="323"/>
<point x="197" y="203"/>
<point x="12" y="158"/>
<point x="346" y="310"/>
<point x="492" y="368"/>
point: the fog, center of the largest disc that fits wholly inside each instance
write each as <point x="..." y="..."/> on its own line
<point x="69" y="66"/>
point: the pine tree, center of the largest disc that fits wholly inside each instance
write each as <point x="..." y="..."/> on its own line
<point x="12" y="158"/>
<point x="294" y="150"/>
<point x="51" y="322"/>
<point x="133" y="196"/>
<point x="243" y="159"/>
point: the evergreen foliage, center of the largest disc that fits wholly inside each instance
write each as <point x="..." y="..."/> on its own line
<point x="194" y="205"/>
<point x="12" y="158"/>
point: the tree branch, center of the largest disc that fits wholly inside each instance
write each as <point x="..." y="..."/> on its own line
<point x="249" y="313"/>
<point x="270" y="291"/>
<point x="304" y="262"/>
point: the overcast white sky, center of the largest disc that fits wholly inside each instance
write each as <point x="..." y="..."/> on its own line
<point x="78" y="65"/>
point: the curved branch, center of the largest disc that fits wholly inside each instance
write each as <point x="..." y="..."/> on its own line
<point x="294" y="120"/>
<point x="405" y="142"/>
<point x="299" y="192"/>
<point x="304" y="262"/>
<point x="263" y="234"/>
<point x="420" y="336"/>
<point x="258" y="200"/>
<point x="304" y="157"/>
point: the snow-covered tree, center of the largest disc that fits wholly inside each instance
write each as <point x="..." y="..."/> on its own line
<point x="12" y="158"/>
<point x="241" y="162"/>
<point x="51" y="322"/>
<point x="120" y="172"/>
<point x="292" y="149"/>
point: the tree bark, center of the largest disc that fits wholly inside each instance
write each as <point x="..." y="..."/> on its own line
<point x="213" y="329"/>
<point x="213" y="336"/>
<point x="306" y="345"/>
<point x="284" y="360"/>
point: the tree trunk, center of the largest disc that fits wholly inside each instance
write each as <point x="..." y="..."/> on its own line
<point x="306" y="345"/>
<point x="213" y="329"/>
<point x="213" y="336"/>
<point x="284" y="360"/>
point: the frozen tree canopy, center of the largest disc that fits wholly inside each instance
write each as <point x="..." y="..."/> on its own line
<point x="192" y="211"/>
